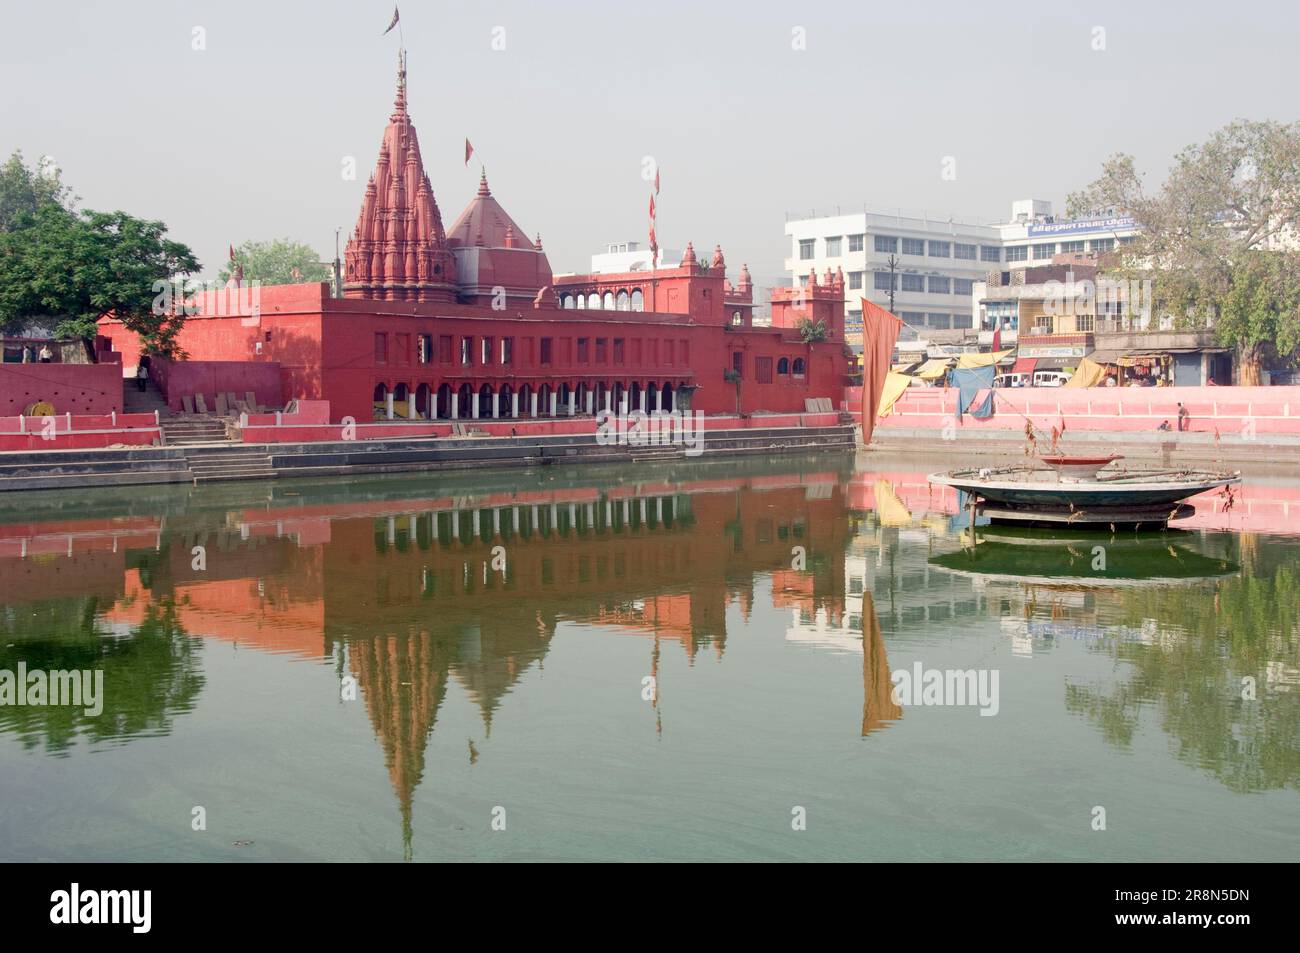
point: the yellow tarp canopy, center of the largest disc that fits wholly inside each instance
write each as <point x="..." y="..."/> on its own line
<point x="895" y="386"/>
<point x="933" y="369"/>
<point x="1088" y="374"/>
<point x="981" y="360"/>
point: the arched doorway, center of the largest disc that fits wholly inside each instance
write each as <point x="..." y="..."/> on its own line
<point x="619" y="391"/>
<point x="544" y="400"/>
<point x="444" y="401"/>
<point x="504" y="395"/>
<point x="666" y="396"/>
<point x="380" y="402"/>
<point x="485" y="401"/>
<point x="401" y="401"/>
<point x="635" y="402"/>
<point x="564" y="393"/>
<point x="424" y="401"/>
<point x="525" y="400"/>
<point x="463" y="398"/>
<point x="581" y="396"/>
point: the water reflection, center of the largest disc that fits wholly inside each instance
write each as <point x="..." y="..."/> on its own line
<point x="409" y="589"/>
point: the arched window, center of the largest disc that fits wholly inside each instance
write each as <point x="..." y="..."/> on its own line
<point x="783" y="366"/>
<point x="736" y="319"/>
<point x="624" y="301"/>
<point x="568" y="302"/>
<point x="638" y="300"/>
<point x="798" y="367"/>
<point x="582" y="301"/>
<point x="593" y="301"/>
<point x="607" y="301"/>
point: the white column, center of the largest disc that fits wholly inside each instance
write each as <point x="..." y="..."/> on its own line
<point x="573" y="518"/>
<point x="591" y="401"/>
<point x="555" y="517"/>
<point x="392" y="531"/>
<point x="410" y="406"/>
<point x="389" y="402"/>
<point x="454" y="517"/>
<point x="496" y="522"/>
<point x="627" y="513"/>
<point x="533" y="401"/>
<point x="455" y="405"/>
<point x="473" y="404"/>
<point x="609" y="400"/>
<point x="410" y="527"/>
<point x="475" y="523"/>
<point x="573" y="397"/>
<point x="659" y="509"/>
<point x="537" y="518"/>
<point x="496" y="404"/>
<point x="643" y="519"/>
<point x="591" y="516"/>
<point x="514" y="520"/>
<point x="555" y="401"/>
<point x="624" y="404"/>
<point x="514" y="404"/>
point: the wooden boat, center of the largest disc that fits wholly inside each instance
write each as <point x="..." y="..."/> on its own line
<point x="1082" y="490"/>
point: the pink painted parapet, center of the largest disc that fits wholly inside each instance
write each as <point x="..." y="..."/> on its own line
<point x="71" y="388"/>
<point x="78" y="431"/>
<point x="1229" y="410"/>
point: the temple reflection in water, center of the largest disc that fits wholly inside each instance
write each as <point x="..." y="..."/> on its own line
<point x="407" y="590"/>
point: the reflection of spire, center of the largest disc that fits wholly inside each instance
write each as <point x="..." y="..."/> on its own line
<point x="878" y="705"/>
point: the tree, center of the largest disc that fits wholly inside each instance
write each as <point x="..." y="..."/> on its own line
<point x="811" y="332"/>
<point x="24" y="190"/>
<point x="1220" y="236"/>
<point x="273" y="263"/>
<point x="71" y="268"/>
<point x="732" y="376"/>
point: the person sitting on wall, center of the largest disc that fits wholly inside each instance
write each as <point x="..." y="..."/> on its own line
<point x="1164" y="425"/>
<point x="1110" y="381"/>
<point x="141" y="376"/>
<point x="46" y="355"/>
<point x="1210" y="382"/>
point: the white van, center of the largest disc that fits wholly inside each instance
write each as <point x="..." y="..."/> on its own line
<point x="1050" y="378"/>
<point x="1010" y="380"/>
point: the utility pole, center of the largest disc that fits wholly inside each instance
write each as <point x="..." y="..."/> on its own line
<point x="893" y="267"/>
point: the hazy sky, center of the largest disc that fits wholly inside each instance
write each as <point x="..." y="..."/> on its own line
<point x="247" y="137"/>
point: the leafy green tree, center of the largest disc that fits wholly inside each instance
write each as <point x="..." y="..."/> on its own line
<point x="24" y="190"/>
<point x="68" y="268"/>
<point x="1220" y="236"/>
<point x="811" y="332"/>
<point x="280" y="261"/>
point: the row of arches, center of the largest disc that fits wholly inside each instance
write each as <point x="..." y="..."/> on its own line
<point x="625" y="299"/>
<point x="449" y="401"/>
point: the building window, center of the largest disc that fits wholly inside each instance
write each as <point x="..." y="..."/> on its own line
<point x="1084" y="322"/>
<point x="1042" y="252"/>
<point x="763" y="370"/>
<point x="1017" y="253"/>
<point x="940" y="285"/>
<point x="736" y="319"/>
<point x="601" y="350"/>
<point x="485" y="351"/>
<point x="1071" y="247"/>
<point x="963" y="286"/>
<point x="833" y="247"/>
<point x="855" y="242"/>
<point x="940" y="249"/>
<point x="884" y="280"/>
<point x="797" y="370"/>
<point x="990" y="253"/>
<point x="962" y="321"/>
<point x="583" y="355"/>
<point x="618" y="351"/>
<point x="507" y="350"/>
<point x="738" y="363"/>
<point x="963" y="251"/>
<point x="381" y="348"/>
<point x="939" y="320"/>
<point x="444" y="348"/>
<point x="853" y="321"/>
<point x="855" y="280"/>
<point x="546" y="350"/>
<point x="886" y="243"/>
<point x="1127" y="239"/>
<point x="913" y="246"/>
<point x="467" y="350"/>
<point x="424" y="348"/>
<point x="913" y="282"/>
<point x="913" y="317"/>
<point x="1102" y="244"/>
<point x="806" y="248"/>
<point x="1043" y="322"/>
<point x="783" y="366"/>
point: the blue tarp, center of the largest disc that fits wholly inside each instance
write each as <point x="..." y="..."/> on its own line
<point x="970" y="381"/>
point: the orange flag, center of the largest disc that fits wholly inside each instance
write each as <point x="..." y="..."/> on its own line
<point x="879" y="335"/>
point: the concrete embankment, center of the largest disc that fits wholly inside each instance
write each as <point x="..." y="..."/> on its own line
<point x="1274" y="452"/>
<point x="56" y="469"/>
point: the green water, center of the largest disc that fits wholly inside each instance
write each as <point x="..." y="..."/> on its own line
<point x="673" y="662"/>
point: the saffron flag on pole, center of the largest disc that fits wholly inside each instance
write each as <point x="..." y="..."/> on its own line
<point x="879" y="335"/>
<point x="392" y="23"/>
<point x="469" y="151"/>
<point x="997" y="336"/>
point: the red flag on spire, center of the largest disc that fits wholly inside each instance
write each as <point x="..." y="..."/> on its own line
<point x="656" y="180"/>
<point x="652" y="207"/>
<point x="392" y="23"/>
<point x="469" y="151"/>
<point x="232" y="252"/>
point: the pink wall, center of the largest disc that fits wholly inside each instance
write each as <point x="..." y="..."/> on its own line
<point x="71" y="388"/>
<point x="1230" y="410"/>
<point x="177" y="379"/>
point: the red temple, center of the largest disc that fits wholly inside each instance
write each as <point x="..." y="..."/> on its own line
<point x="470" y="322"/>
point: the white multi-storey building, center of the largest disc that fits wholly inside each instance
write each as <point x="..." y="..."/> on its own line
<point x="936" y="261"/>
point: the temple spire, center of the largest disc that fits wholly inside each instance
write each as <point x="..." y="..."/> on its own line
<point x="399" y="104"/>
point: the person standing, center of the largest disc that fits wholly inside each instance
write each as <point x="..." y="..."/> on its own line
<point x="46" y="355"/>
<point x="1182" y="417"/>
<point x="142" y="376"/>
